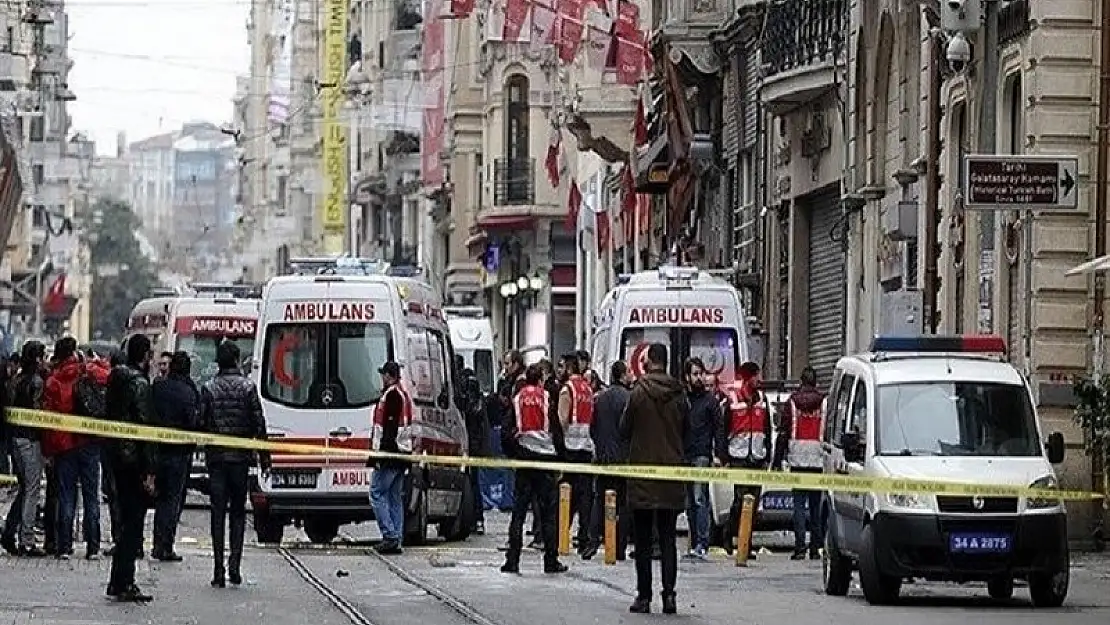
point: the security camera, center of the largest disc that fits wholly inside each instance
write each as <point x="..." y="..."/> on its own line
<point x="957" y="5"/>
<point x="958" y="52"/>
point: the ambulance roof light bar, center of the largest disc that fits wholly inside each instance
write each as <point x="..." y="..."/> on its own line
<point x="957" y="344"/>
<point x="225" y="289"/>
<point x="341" y="265"/>
<point x="671" y="273"/>
<point x="165" y="291"/>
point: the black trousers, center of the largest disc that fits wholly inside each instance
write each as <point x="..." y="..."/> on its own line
<point x="647" y="524"/>
<point x="476" y="489"/>
<point x="539" y="486"/>
<point x="597" y="514"/>
<point x="132" y="500"/>
<point x="173" y="472"/>
<point x="50" y="510"/>
<point x="108" y="485"/>
<point x="581" y="497"/>
<point x="229" y="483"/>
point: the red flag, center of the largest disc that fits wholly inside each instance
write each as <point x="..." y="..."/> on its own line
<point x="551" y="162"/>
<point x="639" y="125"/>
<point x="643" y="212"/>
<point x="574" y="203"/>
<point x="462" y="8"/>
<point x="602" y="232"/>
<point x="516" y="13"/>
<point x="628" y="19"/>
<point x="570" y="29"/>
<point x="630" y="59"/>
<point x="628" y="201"/>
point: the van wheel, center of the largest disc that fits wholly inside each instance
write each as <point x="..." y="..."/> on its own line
<point x="321" y="531"/>
<point x="836" y="569"/>
<point x="1000" y="588"/>
<point x="268" y="531"/>
<point x="878" y="589"/>
<point x="416" y="522"/>
<point x="459" y="528"/>
<point x="1049" y="590"/>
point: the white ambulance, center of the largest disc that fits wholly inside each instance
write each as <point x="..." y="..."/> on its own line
<point x="324" y="333"/>
<point x="195" y="321"/>
<point x="472" y="336"/>
<point x="693" y="313"/>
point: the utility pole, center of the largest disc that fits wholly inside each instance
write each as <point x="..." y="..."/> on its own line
<point x="988" y="93"/>
<point x="257" y="136"/>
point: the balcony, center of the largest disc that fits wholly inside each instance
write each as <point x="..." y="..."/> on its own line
<point x="1013" y="20"/>
<point x="514" y="182"/>
<point x="801" y="42"/>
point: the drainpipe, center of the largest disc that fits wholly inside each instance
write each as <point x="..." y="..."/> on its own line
<point x="988" y="109"/>
<point x="1100" y="212"/>
<point x="932" y="188"/>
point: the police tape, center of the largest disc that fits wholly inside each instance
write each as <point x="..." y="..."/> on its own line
<point x="773" y="479"/>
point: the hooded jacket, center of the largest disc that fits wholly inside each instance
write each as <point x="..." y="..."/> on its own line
<point x="805" y="399"/>
<point x="653" y="424"/>
<point x="59" y="397"/>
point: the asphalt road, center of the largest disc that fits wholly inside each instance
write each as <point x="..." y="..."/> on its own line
<point x="461" y="585"/>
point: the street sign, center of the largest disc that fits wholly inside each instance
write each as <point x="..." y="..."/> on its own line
<point x="1016" y="181"/>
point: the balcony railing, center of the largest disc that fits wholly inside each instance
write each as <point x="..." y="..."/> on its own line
<point x="1013" y="20"/>
<point x="802" y="32"/>
<point x="514" y="182"/>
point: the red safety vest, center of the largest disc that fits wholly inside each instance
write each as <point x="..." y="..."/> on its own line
<point x="533" y="422"/>
<point x="747" y="418"/>
<point x="577" y="435"/>
<point x="805" y="438"/>
<point x="404" y="427"/>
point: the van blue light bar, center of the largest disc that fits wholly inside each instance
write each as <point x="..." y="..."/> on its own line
<point x="969" y="343"/>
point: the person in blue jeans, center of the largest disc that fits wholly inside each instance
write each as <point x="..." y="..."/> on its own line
<point x="390" y="433"/>
<point x="799" y="446"/>
<point x="701" y="425"/>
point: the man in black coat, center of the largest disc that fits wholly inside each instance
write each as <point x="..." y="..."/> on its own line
<point x="177" y="406"/>
<point x="610" y="448"/>
<point x="27" y="391"/>
<point x="132" y="464"/>
<point x="230" y="406"/>
<point x="471" y="404"/>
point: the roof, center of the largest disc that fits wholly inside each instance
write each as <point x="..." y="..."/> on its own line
<point x="163" y="141"/>
<point x="940" y="367"/>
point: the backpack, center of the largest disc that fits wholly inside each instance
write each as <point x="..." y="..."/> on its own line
<point x="90" y="397"/>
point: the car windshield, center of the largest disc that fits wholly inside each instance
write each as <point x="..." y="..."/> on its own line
<point x="325" y="365"/>
<point x="956" y="419"/>
<point x="202" y="352"/>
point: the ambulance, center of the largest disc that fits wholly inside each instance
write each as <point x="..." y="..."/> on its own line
<point x="472" y="336"/>
<point x="323" y="334"/>
<point x="694" y="313"/>
<point x="195" y="320"/>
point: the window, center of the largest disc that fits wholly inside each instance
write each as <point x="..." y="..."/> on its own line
<point x="202" y="352"/>
<point x="427" y="369"/>
<point x="38" y="174"/>
<point x="841" y="403"/>
<point x="324" y="365"/>
<point x="516" y="120"/>
<point x="857" y="417"/>
<point x="483" y="369"/>
<point x="38" y="128"/>
<point x="956" y="419"/>
<point x="598" y="352"/>
<point x="38" y="216"/>
<point x="718" y="348"/>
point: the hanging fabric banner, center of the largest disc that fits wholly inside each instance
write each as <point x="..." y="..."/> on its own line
<point x="333" y="210"/>
<point x="603" y="233"/>
<point x="432" y="124"/>
<point x="516" y="16"/>
<point x="543" y="26"/>
<point x="570" y="29"/>
<point x="630" y="59"/>
<point x="462" y="8"/>
<point x="598" y="40"/>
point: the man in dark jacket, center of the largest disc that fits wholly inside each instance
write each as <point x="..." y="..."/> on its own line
<point x="470" y="402"/>
<point x="653" y="424"/>
<point x="177" y="406"/>
<point x="230" y="406"/>
<point x="610" y="448"/>
<point x="701" y="427"/>
<point x="799" y="444"/>
<point x="27" y="389"/>
<point x="132" y="464"/>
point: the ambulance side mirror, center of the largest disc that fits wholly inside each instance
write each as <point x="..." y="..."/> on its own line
<point x="852" y="447"/>
<point x="1054" y="448"/>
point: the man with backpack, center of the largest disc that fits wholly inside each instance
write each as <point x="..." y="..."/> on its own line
<point x="75" y="387"/>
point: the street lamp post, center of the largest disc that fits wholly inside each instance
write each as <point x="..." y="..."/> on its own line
<point x="518" y="294"/>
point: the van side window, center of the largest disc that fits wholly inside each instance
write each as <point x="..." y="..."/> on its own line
<point x="857" y="420"/>
<point x="832" y="433"/>
<point x="843" y="401"/>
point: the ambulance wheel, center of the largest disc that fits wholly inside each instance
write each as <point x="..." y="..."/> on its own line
<point x="321" y="531"/>
<point x="459" y="528"/>
<point x="836" y="569"/>
<point x="878" y="589"/>
<point x="416" y="521"/>
<point x="1050" y="589"/>
<point x="268" y="531"/>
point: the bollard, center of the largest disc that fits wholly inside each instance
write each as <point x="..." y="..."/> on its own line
<point x="610" y="527"/>
<point x="564" y="519"/>
<point x="744" y="531"/>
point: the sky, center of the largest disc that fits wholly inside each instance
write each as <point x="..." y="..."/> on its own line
<point x="147" y="66"/>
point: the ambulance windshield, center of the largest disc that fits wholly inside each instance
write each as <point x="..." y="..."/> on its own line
<point x="202" y="352"/>
<point x="718" y="348"/>
<point x="325" y="365"/>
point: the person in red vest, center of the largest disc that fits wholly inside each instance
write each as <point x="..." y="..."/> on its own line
<point x="76" y="457"/>
<point x="392" y="433"/>
<point x="576" y="413"/>
<point x="744" y="437"/>
<point x="799" y="439"/>
<point x="530" y="438"/>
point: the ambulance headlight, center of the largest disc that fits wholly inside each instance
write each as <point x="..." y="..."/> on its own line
<point x="1049" y="482"/>
<point x="907" y="501"/>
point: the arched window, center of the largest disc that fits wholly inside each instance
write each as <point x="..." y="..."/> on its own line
<point x="515" y="170"/>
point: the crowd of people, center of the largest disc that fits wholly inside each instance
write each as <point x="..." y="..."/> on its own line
<point x="133" y="476"/>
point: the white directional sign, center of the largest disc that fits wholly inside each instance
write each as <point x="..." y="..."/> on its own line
<point x="1015" y="181"/>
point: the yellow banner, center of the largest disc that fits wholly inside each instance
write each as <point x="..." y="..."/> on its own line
<point x="774" y="479"/>
<point x="334" y="208"/>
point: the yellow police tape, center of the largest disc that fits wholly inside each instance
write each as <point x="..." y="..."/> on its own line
<point x="773" y="479"/>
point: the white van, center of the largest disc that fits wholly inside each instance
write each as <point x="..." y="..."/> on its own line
<point x="322" y="337"/>
<point x="693" y="313"/>
<point x="472" y="336"/>
<point x="196" y="321"/>
<point x="941" y="408"/>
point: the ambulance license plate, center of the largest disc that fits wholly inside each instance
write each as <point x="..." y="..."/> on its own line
<point x="294" y="479"/>
<point x="979" y="542"/>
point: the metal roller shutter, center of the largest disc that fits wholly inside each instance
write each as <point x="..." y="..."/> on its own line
<point x="826" y="285"/>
